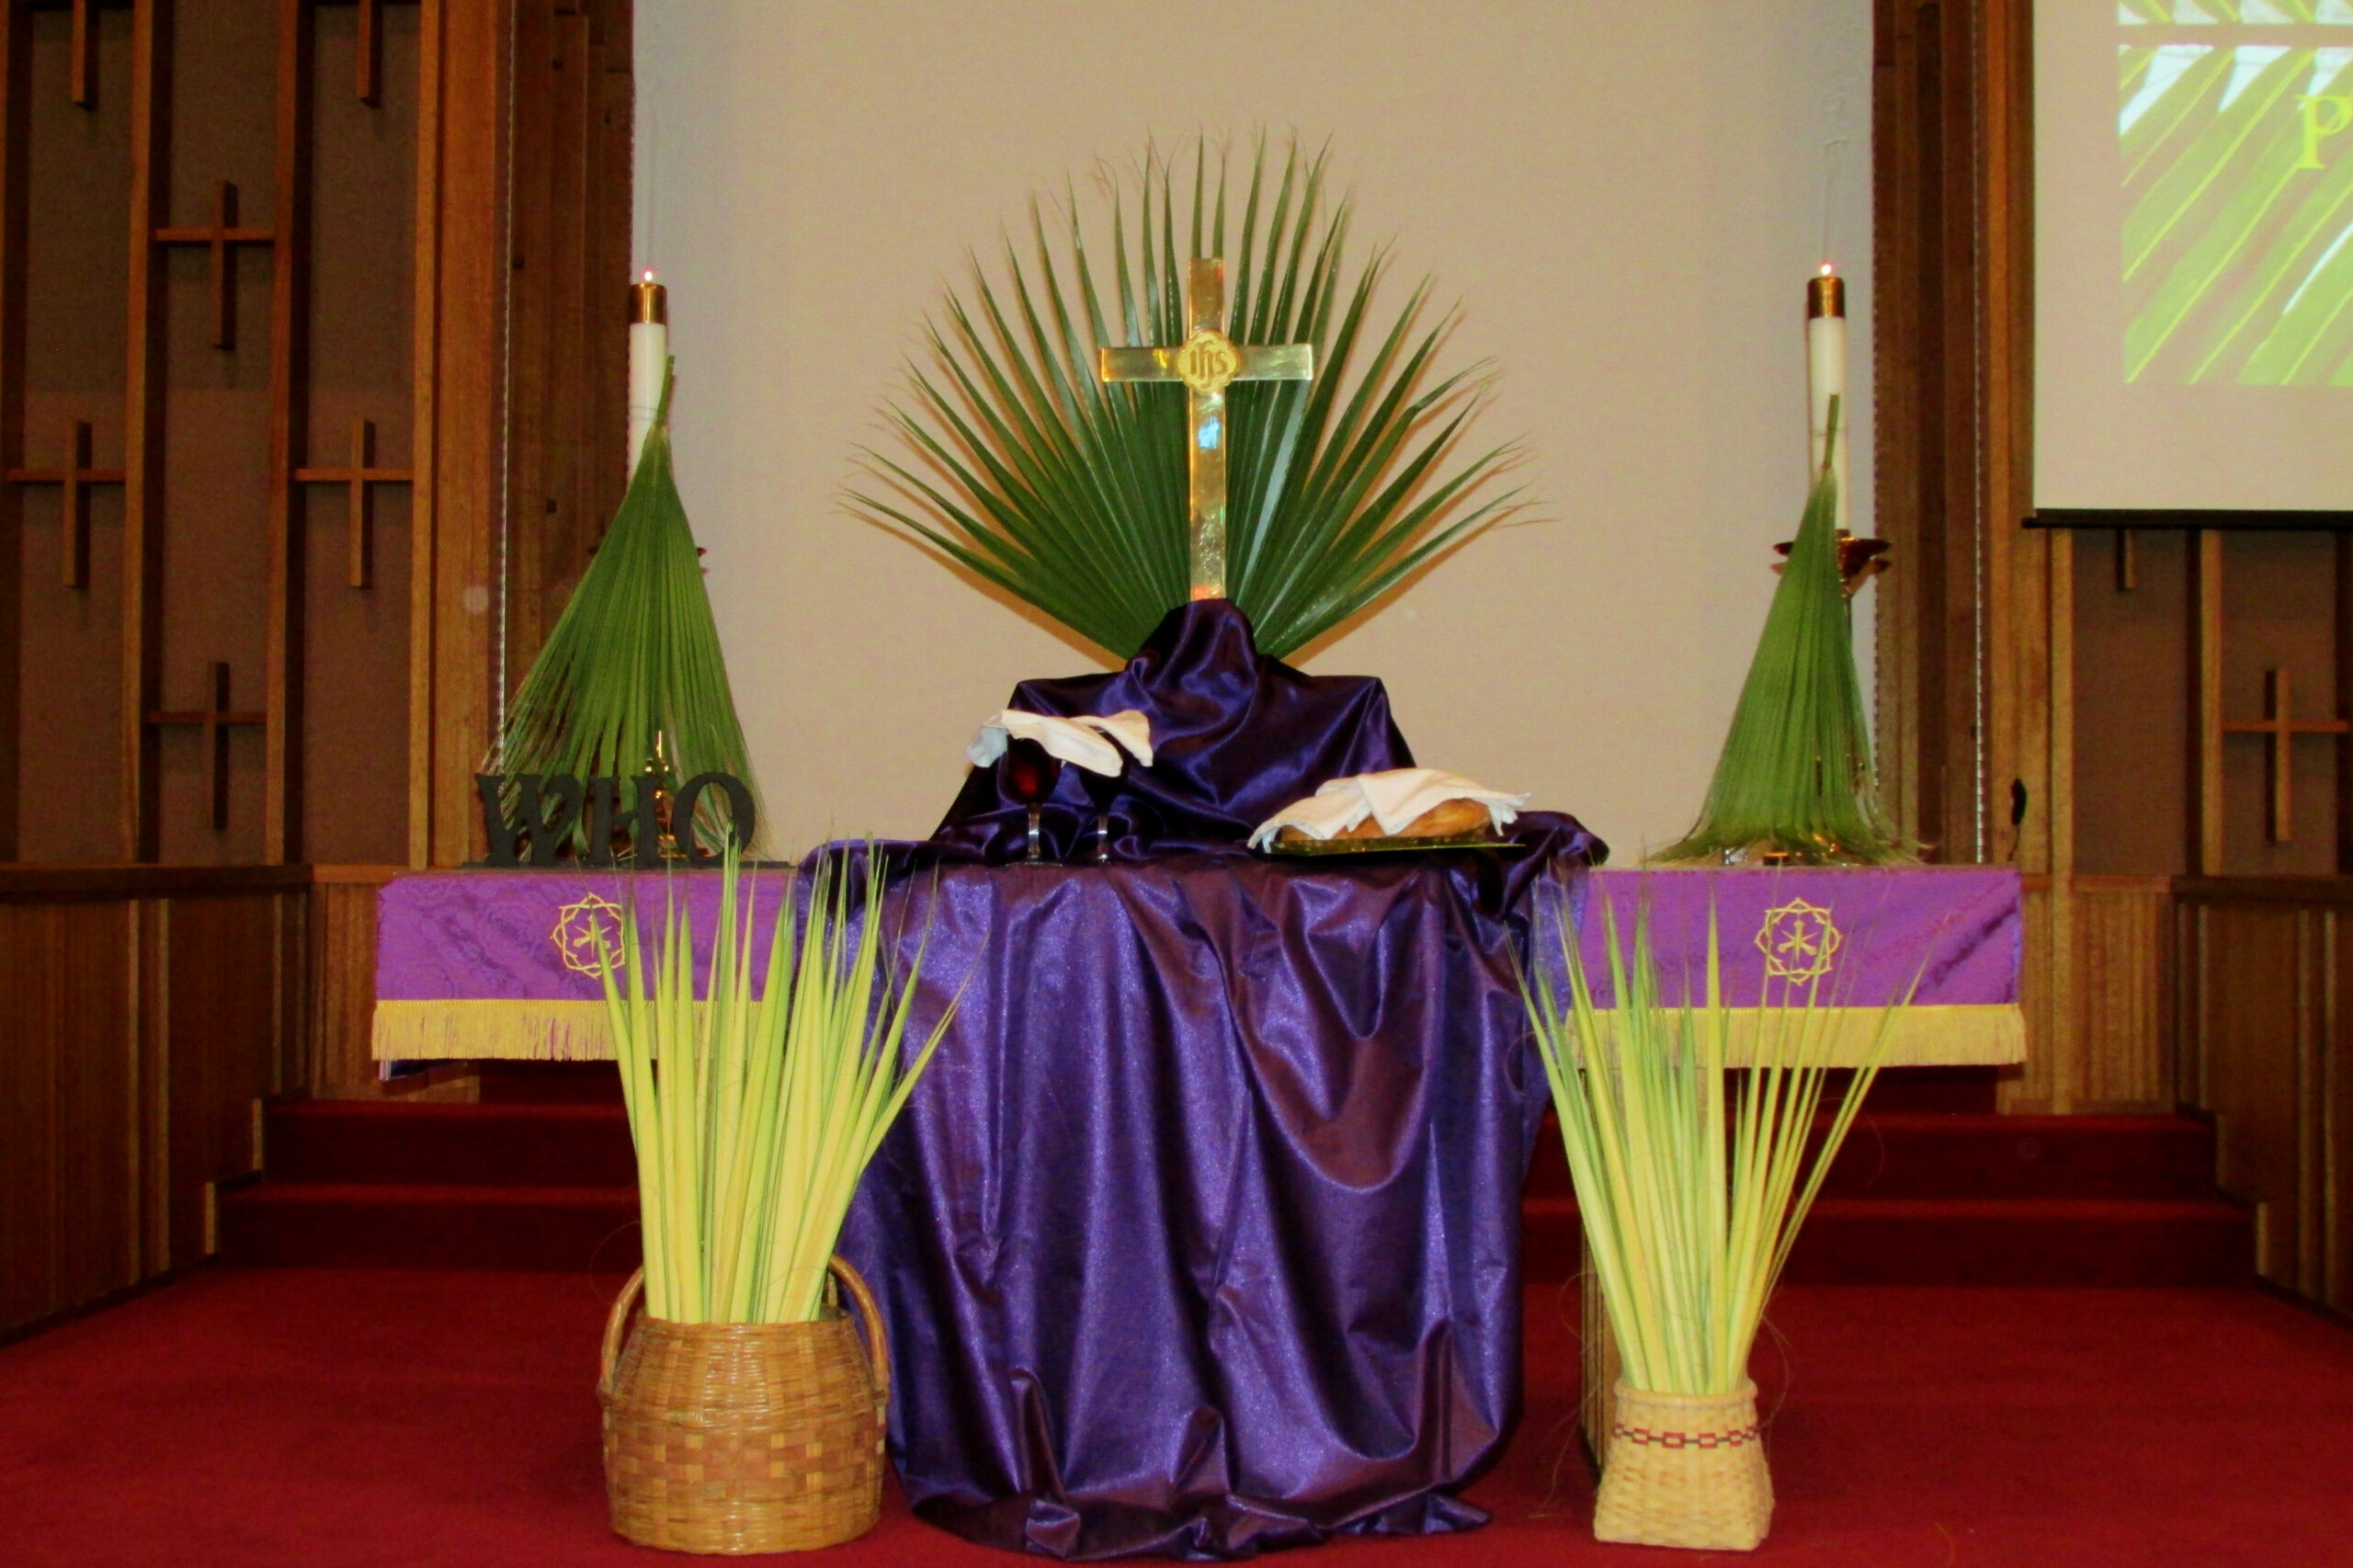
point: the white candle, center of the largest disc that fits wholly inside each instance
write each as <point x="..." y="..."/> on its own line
<point x="649" y="357"/>
<point x="1826" y="376"/>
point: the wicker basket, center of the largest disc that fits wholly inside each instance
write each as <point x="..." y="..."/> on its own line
<point x="735" y="1437"/>
<point x="1685" y="1470"/>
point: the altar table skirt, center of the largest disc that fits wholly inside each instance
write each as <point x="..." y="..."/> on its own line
<point x="1201" y="1235"/>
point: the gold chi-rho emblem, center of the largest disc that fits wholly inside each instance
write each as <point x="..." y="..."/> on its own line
<point x="1798" y="941"/>
<point x="585" y="932"/>
<point x="1206" y="361"/>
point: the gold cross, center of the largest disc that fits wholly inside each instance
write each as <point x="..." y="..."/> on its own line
<point x="1206" y="362"/>
<point x="2280" y="729"/>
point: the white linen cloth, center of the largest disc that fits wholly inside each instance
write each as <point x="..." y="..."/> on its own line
<point x="1084" y="742"/>
<point x="1392" y="800"/>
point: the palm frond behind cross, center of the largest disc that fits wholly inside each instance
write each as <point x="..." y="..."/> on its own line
<point x="1023" y="467"/>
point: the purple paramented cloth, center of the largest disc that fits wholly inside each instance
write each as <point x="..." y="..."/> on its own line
<point x="1941" y="935"/>
<point x="487" y="935"/>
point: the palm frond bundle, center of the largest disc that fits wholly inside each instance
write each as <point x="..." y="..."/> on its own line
<point x="1692" y="1175"/>
<point x="1025" y="469"/>
<point x="1795" y="781"/>
<point x="755" y="1114"/>
<point x="631" y="681"/>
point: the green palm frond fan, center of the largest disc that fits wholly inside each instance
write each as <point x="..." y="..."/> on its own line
<point x="631" y="681"/>
<point x="1025" y="469"/>
<point x="1795" y="781"/>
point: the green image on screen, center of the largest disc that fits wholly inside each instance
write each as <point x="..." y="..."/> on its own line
<point x="2235" y="123"/>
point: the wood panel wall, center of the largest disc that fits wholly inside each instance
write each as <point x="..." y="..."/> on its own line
<point x="325" y="466"/>
<point x="2099" y="997"/>
<point x="344" y="415"/>
<point x="2267" y="1049"/>
<point x="522" y="363"/>
<point x="151" y="1012"/>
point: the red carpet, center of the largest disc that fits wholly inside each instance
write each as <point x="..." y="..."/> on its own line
<point x="302" y="1418"/>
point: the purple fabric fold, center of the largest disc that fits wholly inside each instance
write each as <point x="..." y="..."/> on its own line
<point x="1201" y="1235"/>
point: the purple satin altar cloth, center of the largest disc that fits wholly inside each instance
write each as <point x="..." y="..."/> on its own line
<point x="1205" y="1237"/>
<point x="1201" y="1235"/>
<point x="1236" y="736"/>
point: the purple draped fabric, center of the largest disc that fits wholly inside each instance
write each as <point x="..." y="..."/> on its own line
<point x="1236" y="736"/>
<point x="1201" y="1235"/>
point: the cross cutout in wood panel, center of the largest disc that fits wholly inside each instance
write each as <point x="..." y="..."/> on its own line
<point x="222" y="239"/>
<point x="362" y="476"/>
<point x="216" y="722"/>
<point x="370" y="50"/>
<point x="2280" y="728"/>
<point x="74" y="515"/>
<point x="83" y="85"/>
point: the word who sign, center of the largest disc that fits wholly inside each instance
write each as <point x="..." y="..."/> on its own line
<point x="548" y="809"/>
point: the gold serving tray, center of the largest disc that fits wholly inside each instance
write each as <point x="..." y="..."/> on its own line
<point x="1313" y="848"/>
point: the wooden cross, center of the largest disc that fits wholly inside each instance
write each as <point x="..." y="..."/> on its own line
<point x="1206" y="362"/>
<point x="216" y="722"/>
<point x="74" y="515"/>
<point x="361" y="476"/>
<point x="2280" y="728"/>
<point x="370" y="52"/>
<point x="84" y="88"/>
<point x="222" y="239"/>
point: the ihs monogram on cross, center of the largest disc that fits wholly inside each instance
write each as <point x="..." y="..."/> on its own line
<point x="1207" y="362"/>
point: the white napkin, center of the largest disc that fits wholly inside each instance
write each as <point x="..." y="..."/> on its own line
<point x="1392" y="800"/>
<point x="1081" y="742"/>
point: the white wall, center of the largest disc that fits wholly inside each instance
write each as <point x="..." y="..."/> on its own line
<point x="1627" y="199"/>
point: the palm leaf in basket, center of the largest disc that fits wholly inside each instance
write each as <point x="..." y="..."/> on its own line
<point x="755" y="1111"/>
<point x="1023" y="468"/>
<point x="1691" y="1174"/>
<point x="631" y="680"/>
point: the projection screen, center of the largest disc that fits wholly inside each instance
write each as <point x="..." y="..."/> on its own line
<point x="2194" y="254"/>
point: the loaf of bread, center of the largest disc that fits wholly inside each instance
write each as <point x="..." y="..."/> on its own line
<point x="1448" y="819"/>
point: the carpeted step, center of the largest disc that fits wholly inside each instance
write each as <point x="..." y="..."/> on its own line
<point x="1931" y="1156"/>
<point x="2024" y="1157"/>
<point x="388" y="1225"/>
<point x="2053" y="1242"/>
<point x="2173" y="1242"/>
<point x="549" y="1082"/>
<point x="549" y="1144"/>
<point x="1952" y="1091"/>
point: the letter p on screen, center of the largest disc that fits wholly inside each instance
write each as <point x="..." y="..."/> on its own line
<point x="2325" y="115"/>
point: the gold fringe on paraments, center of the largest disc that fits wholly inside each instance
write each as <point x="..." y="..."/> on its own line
<point x="477" y="1029"/>
<point x="741" y="1437"/>
<point x="487" y="1028"/>
<point x="1685" y="1470"/>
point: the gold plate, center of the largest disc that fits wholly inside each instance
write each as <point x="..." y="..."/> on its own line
<point x="1308" y="848"/>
